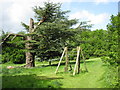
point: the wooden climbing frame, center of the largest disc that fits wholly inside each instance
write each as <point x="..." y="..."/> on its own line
<point x="77" y="64"/>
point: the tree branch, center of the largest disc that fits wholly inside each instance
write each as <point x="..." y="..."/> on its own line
<point x="40" y="22"/>
<point x="13" y="37"/>
<point x="11" y="34"/>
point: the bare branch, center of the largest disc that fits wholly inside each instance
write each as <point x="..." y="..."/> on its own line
<point x="40" y="22"/>
<point x="11" y="34"/>
<point x="7" y="37"/>
<point x="13" y="37"/>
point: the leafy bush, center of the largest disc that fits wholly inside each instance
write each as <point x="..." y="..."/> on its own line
<point x="12" y="51"/>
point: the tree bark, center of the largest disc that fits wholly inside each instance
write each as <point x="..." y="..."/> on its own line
<point x="30" y="56"/>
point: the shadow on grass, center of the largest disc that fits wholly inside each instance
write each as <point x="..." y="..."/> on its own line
<point x="63" y="63"/>
<point x="30" y="81"/>
<point x="89" y="61"/>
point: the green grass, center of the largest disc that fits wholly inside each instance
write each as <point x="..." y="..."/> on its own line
<point x="45" y="77"/>
<point x="91" y="79"/>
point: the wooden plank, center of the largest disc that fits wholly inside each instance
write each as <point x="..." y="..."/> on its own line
<point x="75" y="64"/>
<point x="78" y="53"/>
<point x="60" y="60"/>
<point x="67" y="61"/>
<point x="84" y="60"/>
<point x="79" y="60"/>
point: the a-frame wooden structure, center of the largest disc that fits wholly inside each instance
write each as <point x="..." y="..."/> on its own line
<point x="77" y="64"/>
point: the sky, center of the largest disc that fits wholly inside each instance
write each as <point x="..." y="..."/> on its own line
<point x="13" y="12"/>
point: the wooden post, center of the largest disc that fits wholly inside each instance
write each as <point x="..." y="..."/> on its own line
<point x="60" y="60"/>
<point x="75" y="64"/>
<point x="67" y="61"/>
<point x="78" y="53"/>
<point x="84" y="60"/>
<point x="70" y="67"/>
<point x="78" y="60"/>
<point x="50" y="63"/>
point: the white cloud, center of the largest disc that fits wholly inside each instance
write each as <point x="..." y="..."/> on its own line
<point x="98" y="1"/>
<point x="96" y="19"/>
<point x="85" y="15"/>
<point x="33" y="1"/>
<point x="15" y="11"/>
<point x="104" y="1"/>
<point x="20" y="9"/>
<point x="85" y="1"/>
<point x="101" y="1"/>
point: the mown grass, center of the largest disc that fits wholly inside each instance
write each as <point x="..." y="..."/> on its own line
<point x="43" y="76"/>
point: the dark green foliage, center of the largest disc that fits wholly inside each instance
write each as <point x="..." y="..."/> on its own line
<point x="51" y="12"/>
<point x="93" y="43"/>
<point x="52" y="35"/>
<point x="112" y="60"/>
<point x="113" y="40"/>
<point x="25" y="26"/>
<point x="54" y="40"/>
<point x="13" y="51"/>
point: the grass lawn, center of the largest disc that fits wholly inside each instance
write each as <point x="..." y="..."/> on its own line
<point x="45" y="77"/>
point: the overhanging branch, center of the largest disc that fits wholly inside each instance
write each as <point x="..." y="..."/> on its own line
<point x="14" y="36"/>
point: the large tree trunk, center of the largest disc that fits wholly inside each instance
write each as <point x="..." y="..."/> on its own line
<point x="30" y="56"/>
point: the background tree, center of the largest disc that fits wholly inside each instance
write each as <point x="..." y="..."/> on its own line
<point x="113" y="51"/>
<point x="13" y="51"/>
<point x="92" y="42"/>
<point x="113" y="30"/>
<point x="51" y="35"/>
